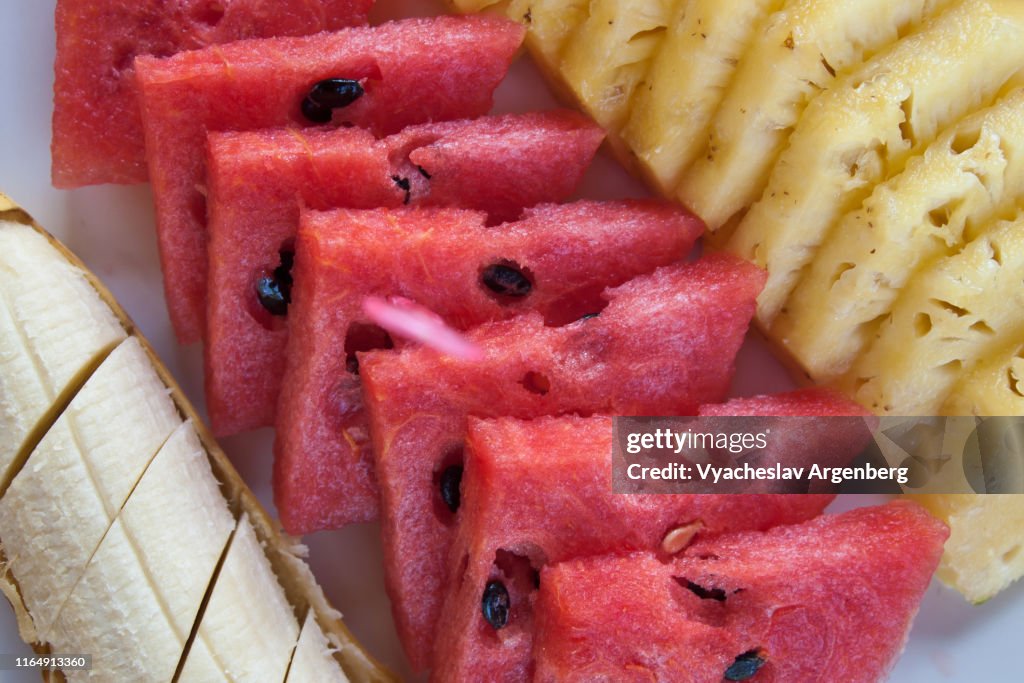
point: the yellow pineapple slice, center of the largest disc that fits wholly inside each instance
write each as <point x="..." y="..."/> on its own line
<point x="672" y="111"/>
<point x="970" y="174"/>
<point x="607" y="56"/>
<point x="948" y="318"/>
<point x="984" y="551"/>
<point x="797" y="54"/>
<point x="994" y="387"/>
<point x="866" y="127"/>
<point x="550" y="24"/>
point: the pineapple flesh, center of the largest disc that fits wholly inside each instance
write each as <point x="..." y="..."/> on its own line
<point x="944" y="322"/>
<point x="983" y="553"/>
<point x="972" y="173"/>
<point x="865" y="129"/>
<point x="672" y="111"/>
<point x="994" y="387"/>
<point x="798" y="54"/>
<point x="608" y="54"/>
<point x="550" y="23"/>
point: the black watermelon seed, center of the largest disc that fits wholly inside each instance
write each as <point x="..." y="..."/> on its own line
<point x="706" y="593"/>
<point x="328" y="95"/>
<point x="275" y="291"/>
<point x="271" y="297"/>
<point x="506" y="280"/>
<point x="451" y="480"/>
<point x="588" y="316"/>
<point x="496" y="604"/>
<point x="745" y="666"/>
<point x="404" y="185"/>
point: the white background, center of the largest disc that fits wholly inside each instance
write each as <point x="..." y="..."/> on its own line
<point x="111" y="229"/>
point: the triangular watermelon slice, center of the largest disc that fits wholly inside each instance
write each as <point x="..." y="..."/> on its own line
<point x="511" y="463"/>
<point x="828" y="600"/>
<point x="97" y="132"/>
<point x="407" y="72"/>
<point x="539" y="492"/>
<point x="323" y="469"/>
<point x="664" y="345"/>
<point x="258" y="180"/>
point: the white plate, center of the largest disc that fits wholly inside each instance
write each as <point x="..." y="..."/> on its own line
<point x="111" y="229"/>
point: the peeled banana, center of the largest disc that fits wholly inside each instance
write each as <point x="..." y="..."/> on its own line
<point x="125" y="532"/>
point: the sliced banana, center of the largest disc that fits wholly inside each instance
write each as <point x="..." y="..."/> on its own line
<point x="247" y="639"/>
<point x="53" y="329"/>
<point x="114" y="615"/>
<point x="114" y="528"/>
<point x="71" y="489"/>
<point x="313" y="661"/>
<point x="134" y="607"/>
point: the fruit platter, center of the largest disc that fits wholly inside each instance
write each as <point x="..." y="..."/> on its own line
<point x="365" y="283"/>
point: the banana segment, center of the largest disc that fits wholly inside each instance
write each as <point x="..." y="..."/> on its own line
<point x="114" y="528"/>
<point x="134" y="608"/>
<point x="249" y="640"/>
<point x="40" y="356"/>
<point x="970" y="174"/>
<point x="114" y="615"/>
<point x="865" y="128"/>
<point x="313" y="661"/>
<point x="58" y="508"/>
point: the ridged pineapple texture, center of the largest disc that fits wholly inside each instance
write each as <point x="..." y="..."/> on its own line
<point x="865" y="128"/>
<point x="674" y="109"/>
<point x="800" y="53"/>
<point x="951" y="316"/>
<point x="972" y="173"/>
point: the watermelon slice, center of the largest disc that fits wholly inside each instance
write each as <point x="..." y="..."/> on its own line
<point x="408" y="72"/>
<point x="540" y="492"/>
<point x="819" y="426"/>
<point x="664" y="344"/>
<point x="257" y="181"/>
<point x="437" y="258"/>
<point x="97" y="132"/>
<point x="828" y="600"/>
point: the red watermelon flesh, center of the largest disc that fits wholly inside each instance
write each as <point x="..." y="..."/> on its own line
<point x="97" y="131"/>
<point x="258" y="180"/>
<point x="664" y="345"/>
<point x="412" y="71"/>
<point x="817" y="426"/>
<point x="539" y="492"/>
<point x="828" y="600"/>
<point x="323" y="472"/>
